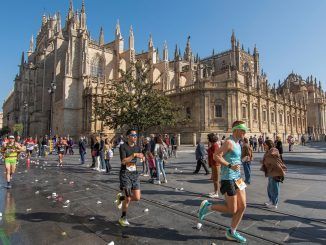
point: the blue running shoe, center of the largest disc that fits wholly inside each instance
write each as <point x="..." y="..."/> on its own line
<point x="235" y="237"/>
<point x="203" y="209"/>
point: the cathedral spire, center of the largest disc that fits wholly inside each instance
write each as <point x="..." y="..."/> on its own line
<point x="188" y="52"/>
<point x="165" y="52"/>
<point x="58" y="22"/>
<point x="118" y="31"/>
<point x="233" y="40"/>
<point x="71" y="10"/>
<point x="150" y="42"/>
<point x="83" y="7"/>
<point x="83" y="17"/>
<point x="22" y="59"/>
<point x="176" y="55"/>
<point x="31" y="45"/>
<point x="131" y="39"/>
<point x="101" y="39"/>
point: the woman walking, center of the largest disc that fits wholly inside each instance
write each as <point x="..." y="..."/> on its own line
<point x="274" y="169"/>
<point x="246" y="158"/>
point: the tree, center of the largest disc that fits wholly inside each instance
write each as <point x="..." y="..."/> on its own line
<point x="134" y="101"/>
<point x="5" y="130"/>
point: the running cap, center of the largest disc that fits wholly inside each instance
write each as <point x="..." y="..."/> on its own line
<point x="241" y="127"/>
<point x="11" y="137"/>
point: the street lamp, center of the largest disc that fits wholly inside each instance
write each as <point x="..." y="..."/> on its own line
<point x="51" y="91"/>
<point x="26" y="126"/>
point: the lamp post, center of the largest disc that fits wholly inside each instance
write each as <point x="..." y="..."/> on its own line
<point x="26" y="126"/>
<point x="51" y="91"/>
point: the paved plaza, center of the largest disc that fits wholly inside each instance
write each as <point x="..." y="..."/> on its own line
<point x="31" y="216"/>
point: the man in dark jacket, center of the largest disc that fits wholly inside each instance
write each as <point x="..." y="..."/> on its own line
<point x="200" y="157"/>
<point x="82" y="149"/>
<point x="279" y="146"/>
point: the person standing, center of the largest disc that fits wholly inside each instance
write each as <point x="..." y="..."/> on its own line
<point x="108" y="154"/>
<point x="146" y="150"/>
<point x="274" y="169"/>
<point x="279" y="146"/>
<point x="232" y="186"/>
<point x="254" y="141"/>
<point x="174" y="145"/>
<point x="246" y="158"/>
<point x="11" y="151"/>
<point x="290" y="142"/>
<point x="200" y="157"/>
<point x="82" y="149"/>
<point x="129" y="177"/>
<point x="213" y="164"/>
<point x="160" y="153"/>
<point x="260" y="143"/>
<point x="93" y="139"/>
<point x="96" y="154"/>
<point x="102" y="155"/>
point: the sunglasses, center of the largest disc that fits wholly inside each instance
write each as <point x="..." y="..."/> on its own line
<point x="133" y="135"/>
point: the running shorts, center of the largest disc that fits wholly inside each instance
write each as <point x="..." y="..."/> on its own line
<point x="129" y="181"/>
<point x="229" y="187"/>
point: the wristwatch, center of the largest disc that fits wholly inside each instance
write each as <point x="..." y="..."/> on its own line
<point x="230" y="165"/>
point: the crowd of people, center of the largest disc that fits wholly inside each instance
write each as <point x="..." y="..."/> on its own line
<point x="224" y="159"/>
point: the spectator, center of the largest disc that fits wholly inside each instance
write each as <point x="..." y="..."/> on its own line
<point x="200" y="157"/>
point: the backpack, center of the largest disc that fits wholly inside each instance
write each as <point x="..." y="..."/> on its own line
<point x="162" y="153"/>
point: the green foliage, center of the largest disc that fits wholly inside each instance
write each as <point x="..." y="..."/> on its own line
<point x="5" y="130"/>
<point x="134" y="101"/>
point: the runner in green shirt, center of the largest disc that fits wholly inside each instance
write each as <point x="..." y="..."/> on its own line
<point x="10" y="151"/>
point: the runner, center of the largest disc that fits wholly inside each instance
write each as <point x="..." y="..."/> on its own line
<point x="61" y="146"/>
<point x="129" y="177"/>
<point x="10" y="151"/>
<point x="30" y="145"/>
<point x="232" y="186"/>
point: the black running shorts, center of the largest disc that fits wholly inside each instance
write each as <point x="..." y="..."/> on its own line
<point x="229" y="187"/>
<point x="129" y="181"/>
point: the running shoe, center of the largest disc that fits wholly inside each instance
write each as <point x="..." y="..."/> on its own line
<point x="234" y="237"/>
<point x="267" y="204"/>
<point x="146" y="175"/>
<point x="9" y="186"/>
<point x="213" y="195"/>
<point x="271" y="206"/>
<point x="157" y="182"/>
<point x="165" y="181"/>
<point x="118" y="202"/>
<point x="123" y="221"/>
<point x="203" y="209"/>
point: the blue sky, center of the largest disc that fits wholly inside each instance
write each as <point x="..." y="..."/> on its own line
<point x="289" y="34"/>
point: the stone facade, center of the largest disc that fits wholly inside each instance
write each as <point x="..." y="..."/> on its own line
<point x="9" y="117"/>
<point x="214" y="91"/>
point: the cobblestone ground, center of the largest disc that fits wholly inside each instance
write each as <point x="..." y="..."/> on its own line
<point x="31" y="216"/>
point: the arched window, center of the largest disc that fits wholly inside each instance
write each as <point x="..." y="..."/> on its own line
<point x="218" y="110"/>
<point x="244" y="112"/>
<point x="97" y="67"/>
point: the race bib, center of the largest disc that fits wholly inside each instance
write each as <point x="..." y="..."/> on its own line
<point x="241" y="184"/>
<point x="131" y="167"/>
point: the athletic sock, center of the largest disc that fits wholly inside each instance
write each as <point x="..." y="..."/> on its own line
<point x="124" y="214"/>
<point x="233" y="230"/>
